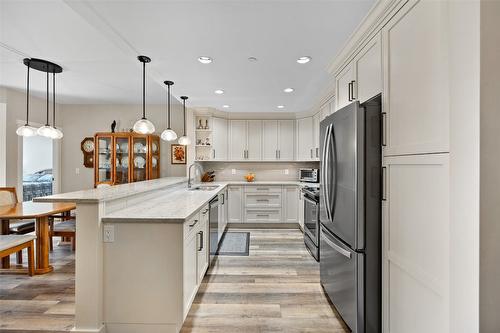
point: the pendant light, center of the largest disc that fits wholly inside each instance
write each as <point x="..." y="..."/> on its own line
<point x="144" y="126"/>
<point x="47" y="130"/>
<point x="184" y="139"/>
<point x="58" y="134"/>
<point x="26" y="129"/>
<point x="168" y="134"/>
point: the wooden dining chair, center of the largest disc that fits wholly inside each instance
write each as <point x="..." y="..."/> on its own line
<point x="64" y="229"/>
<point x="8" y="196"/>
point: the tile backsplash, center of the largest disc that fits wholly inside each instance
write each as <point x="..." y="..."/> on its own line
<point x="268" y="171"/>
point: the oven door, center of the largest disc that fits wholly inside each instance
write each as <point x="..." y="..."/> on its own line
<point x="311" y="222"/>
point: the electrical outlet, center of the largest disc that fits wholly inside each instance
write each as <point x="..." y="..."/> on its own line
<point x="233" y="171"/>
<point x="109" y="233"/>
<point x="77" y="171"/>
<point x="287" y="172"/>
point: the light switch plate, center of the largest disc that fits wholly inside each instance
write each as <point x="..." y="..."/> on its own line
<point x="109" y="233"/>
<point x="77" y="171"/>
<point x="287" y="172"/>
<point x="233" y="171"/>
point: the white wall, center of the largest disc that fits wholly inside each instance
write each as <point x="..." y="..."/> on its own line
<point x="490" y="167"/>
<point x="37" y="154"/>
<point x="80" y="121"/>
<point x="3" y="144"/>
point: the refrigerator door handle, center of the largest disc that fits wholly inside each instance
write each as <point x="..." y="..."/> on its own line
<point x="324" y="169"/>
<point x="337" y="248"/>
<point x="332" y="144"/>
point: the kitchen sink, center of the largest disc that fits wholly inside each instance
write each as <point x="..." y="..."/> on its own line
<point x="204" y="188"/>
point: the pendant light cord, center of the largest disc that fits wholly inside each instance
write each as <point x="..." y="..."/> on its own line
<point x="144" y="90"/>
<point x="47" y="124"/>
<point x="54" y="99"/>
<point x="184" y="102"/>
<point x="168" y="107"/>
<point x="28" y="96"/>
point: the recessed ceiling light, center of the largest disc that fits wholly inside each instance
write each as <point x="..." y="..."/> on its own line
<point x="225" y="106"/>
<point x="252" y="59"/>
<point x="304" y="60"/>
<point x="280" y="106"/>
<point x="219" y="91"/>
<point x="288" y="90"/>
<point x="205" y="60"/>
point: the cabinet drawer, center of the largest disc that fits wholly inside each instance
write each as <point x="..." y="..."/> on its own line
<point x="263" y="215"/>
<point x="262" y="189"/>
<point x="191" y="225"/>
<point x="262" y="199"/>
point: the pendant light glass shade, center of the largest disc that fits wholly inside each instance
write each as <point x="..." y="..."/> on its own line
<point x="184" y="139"/>
<point x="144" y="126"/>
<point x="168" y="134"/>
<point x="26" y="129"/>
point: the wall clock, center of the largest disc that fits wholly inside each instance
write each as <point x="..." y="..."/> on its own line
<point x="87" y="147"/>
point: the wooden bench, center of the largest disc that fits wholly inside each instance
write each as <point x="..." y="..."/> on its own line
<point x="15" y="243"/>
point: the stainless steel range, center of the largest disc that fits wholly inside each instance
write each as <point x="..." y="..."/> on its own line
<point x="311" y="220"/>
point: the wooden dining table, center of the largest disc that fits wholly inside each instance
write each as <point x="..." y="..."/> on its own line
<point x="40" y="211"/>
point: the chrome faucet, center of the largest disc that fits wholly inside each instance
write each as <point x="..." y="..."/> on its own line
<point x="189" y="172"/>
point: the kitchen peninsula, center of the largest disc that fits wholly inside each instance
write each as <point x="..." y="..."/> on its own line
<point x="144" y="243"/>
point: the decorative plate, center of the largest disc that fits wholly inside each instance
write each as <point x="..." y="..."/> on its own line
<point x="124" y="161"/>
<point x="139" y="162"/>
<point x="154" y="147"/>
<point x="138" y="147"/>
<point x="154" y="162"/>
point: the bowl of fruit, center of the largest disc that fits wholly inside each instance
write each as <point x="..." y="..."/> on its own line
<point x="250" y="177"/>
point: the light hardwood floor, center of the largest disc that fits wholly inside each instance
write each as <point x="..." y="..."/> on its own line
<point x="275" y="289"/>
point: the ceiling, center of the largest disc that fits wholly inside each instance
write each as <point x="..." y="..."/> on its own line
<point x="97" y="43"/>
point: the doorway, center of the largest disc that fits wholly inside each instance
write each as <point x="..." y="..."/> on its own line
<point x="38" y="167"/>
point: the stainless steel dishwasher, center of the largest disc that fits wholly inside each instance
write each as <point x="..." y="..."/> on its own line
<point x="214" y="227"/>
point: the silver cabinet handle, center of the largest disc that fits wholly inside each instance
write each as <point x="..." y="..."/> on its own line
<point x="337" y="248"/>
<point x="263" y="200"/>
<point x="262" y="215"/>
<point x="384" y="180"/>
<point x="214" y="153"/>
<point x="200" y="247"/>
<point x="205" y="211"/>
<point x="276" y="154"/>
<point x="317" y="152"/>
<point x="279" y="154"/>
<point x="193" y="224"/>
<point x="352" y="88"/>
<point x="311" y="153"/>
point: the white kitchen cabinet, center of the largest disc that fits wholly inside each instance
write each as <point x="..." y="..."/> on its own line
<point x="368" y="68"/>
<point x="202" y="238"/>
<point x="316" y="121"/>
<point x="254" y="140"/>
<point x="237" y="139"/>
<point x="234" y="204"/>
<point x="278" y="140"/>
<point x="219" y="139"/>
<point x="270" y="138"/>
<point x="190" y="270"/>
<point x="301" y="210"/>
<point x="416" y="80"/>
<point x="290" y="204"/>
<point x="286" y="140"/>
<point x="343" y="83"/>
<point x="222" y="214"/>
<point x="304" y="139"/>
<point x="416" y="225"/>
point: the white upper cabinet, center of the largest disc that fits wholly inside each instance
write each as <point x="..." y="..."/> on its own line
<point x="238" y="139"/>
<point x="219" y="139"/>
<point x="416" y="80"/>
<point x="368" y="62"/>
<point x="304" y="139"/>
<point x="361" y="79"/>
<point x="316" y="120"/>
<point x="254" y="140"/>
<point x="343" y="83"/>
<point x="286" y="140"/>
<point x="270" y="139"/>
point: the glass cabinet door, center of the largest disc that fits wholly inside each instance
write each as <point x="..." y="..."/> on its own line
<point x="122" y="158"/>
<point x="139" y="161"/>
<point x="104" y="173"/>
<point x="155" y="157"/>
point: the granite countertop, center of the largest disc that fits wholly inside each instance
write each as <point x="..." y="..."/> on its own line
<point x="112" y="192"/>
<point x="172" y="205"/>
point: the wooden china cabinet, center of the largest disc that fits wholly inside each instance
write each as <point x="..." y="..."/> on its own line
<point x="125" y="157"/>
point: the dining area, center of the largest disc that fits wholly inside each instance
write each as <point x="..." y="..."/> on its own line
<point x="27" y="231"/>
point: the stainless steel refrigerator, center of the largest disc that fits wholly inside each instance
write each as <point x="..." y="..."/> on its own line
<point x="350" y="213"/>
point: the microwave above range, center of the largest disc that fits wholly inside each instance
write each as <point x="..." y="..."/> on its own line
<point x="309" y="175"/>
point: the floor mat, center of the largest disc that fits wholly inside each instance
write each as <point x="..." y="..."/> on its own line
<point x="234" y="244"/>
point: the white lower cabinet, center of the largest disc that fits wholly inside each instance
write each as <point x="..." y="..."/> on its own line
<point x="291" y="204"/>
<point x="416" y="256"/>
<point x="190" y="263"/>
<point x="234" y="204"/>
